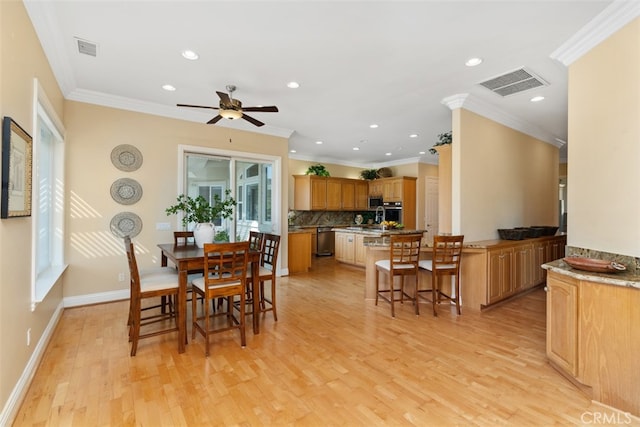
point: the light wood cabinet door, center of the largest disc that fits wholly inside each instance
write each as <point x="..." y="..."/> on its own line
<point x="334" y="194"/>
<point x="345" y="244"/>
<point x="318" y="193"/>
<point x="348" y="189"/>
<point x="539" y="273"/>
<point x="522" y="268"/>
<point x="392" y="190"/>
<point x="360" y="258"/>
<point x="562" y="322"/>
<point x="361" y="195"/>
<point x="499" y="274"/>
<point x="314" y="243"/>
<point x="376" y="188"/>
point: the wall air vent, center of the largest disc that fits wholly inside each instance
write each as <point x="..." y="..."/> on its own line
<point x="514" y="82"/>
<point x="86" y="47"/>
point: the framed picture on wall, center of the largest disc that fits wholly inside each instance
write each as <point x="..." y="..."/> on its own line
<point x="17" y="152"/>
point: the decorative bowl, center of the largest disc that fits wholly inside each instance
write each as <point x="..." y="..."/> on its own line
<point x="595" y="265"/>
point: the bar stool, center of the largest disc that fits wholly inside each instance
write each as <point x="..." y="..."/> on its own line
<point x="445" y="262"/>
<point x="404" y="252"/>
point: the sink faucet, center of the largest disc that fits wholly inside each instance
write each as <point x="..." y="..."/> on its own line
<point x="379" y="214"/>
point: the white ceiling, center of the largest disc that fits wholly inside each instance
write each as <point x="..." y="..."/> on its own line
<point x="385" y="62"/>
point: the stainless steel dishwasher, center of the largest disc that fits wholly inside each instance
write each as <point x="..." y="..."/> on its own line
<point x="326" y="241"/>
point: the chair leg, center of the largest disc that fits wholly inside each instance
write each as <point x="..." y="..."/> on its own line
<point x="391" y="296"/>
<point x="377" y="285"/>
<point x="273" y="300"/>
<point x="458" y="295"/>
<point x="135" y="328"/>
<point x="416" y="295"/>
<point x="206" y="330"/>
<point x="434" y="292"/>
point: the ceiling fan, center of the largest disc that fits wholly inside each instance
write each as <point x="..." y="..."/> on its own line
<point x="232" y="108"/>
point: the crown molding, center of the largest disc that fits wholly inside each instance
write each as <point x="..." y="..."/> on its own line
<point x="478" y="106"/>
<point x="611" y="19"/>
<point x="43" y="19"/>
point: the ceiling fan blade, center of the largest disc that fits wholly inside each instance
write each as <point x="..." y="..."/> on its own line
<point x="269" y="109"/>
<point x="252" y="120"/>
<point x="224" y="98"/>
<point x="197" y="106"/>
<point x="215" y="120"/>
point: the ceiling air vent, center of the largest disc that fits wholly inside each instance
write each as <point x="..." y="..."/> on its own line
<point x="514" y="82"/>
<point x="87" y="48"/>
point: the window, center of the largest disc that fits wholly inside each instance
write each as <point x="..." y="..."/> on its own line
<point x="48" y="261"/>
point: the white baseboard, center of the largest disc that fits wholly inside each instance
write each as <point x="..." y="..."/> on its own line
<point x="97" y="298"/>
<point x="20" y="389"/>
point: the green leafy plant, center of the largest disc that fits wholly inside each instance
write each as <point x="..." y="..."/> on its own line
<point x="369" y="174"/>
<point x="198" y="210"/>
<point x="319" y="170"/>
<point x="443" y="139"/>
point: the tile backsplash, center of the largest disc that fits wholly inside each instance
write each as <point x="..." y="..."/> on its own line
<point x="328" y="217"/>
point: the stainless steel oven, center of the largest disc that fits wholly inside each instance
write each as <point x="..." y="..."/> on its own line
<point x="393" y="211"/>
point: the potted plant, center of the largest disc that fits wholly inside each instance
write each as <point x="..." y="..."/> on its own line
<point x="443" y="139"/>
<point x="197" y="210"/>
<point x="319" y="170"/>
<point x="369" y="174"/>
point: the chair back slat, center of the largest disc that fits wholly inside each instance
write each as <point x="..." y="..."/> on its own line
<point x="447" y="253"/>
<point x="405" y="249"/>
<point x="256" y="240"/>
<point x="225" y="262"/>
<point x="134" y="273"/>
<point x="270" y="250"/>
<point x="183" y="238"/>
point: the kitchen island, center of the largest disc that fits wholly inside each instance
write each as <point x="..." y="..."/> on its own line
<point x="593" y="332"/>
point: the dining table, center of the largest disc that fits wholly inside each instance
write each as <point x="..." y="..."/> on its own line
<point x="190" y="257"/>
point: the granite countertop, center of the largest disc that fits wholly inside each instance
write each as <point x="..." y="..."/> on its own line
<point x="376" y="232"/>
<point x="629" y="278"/>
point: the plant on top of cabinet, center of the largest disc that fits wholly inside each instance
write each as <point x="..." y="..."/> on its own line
<point x="443" y="139"/>
<point x="369" y="174"/>
<point x="319" y="170"/>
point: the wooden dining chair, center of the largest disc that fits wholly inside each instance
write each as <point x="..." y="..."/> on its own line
<point x="161" y="282"/>
<point x="183" y="238"/>
<point x="267" y="272"/>
<point x="445" y="262"/>
<point x="225" y="276"/>
<point x="404" y="253"/>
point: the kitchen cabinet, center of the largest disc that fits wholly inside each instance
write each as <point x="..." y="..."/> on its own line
<point x="310" y="193"/>
<point x="398" y="189"/>
<point x="361" y="195"/>
<point x="522" y="268"/>
<point x="350" y="248"/>
<point x="376" y="187"/>
<point x="314" y="242"/>
<point x="494" y="270"/>
<point x="300" y="251"/>
<point x="393" y="190"/>
<point x="562" y="322"/>
<point x="319" y="193"/>
<point x="499" y="279"/>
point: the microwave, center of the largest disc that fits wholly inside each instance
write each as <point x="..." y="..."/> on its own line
<point x="375" y="201"/>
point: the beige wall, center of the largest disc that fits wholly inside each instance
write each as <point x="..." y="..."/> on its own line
<point x="21" y="60"/>
<point x="95" y="256"/>
<point x="505" y="178"/>
<point x="604" y="146"/>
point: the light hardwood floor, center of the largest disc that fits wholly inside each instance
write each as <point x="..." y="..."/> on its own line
<point x="331" y="359"/>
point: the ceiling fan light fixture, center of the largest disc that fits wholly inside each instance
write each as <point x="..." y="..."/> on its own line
<point x="231" y="114"/>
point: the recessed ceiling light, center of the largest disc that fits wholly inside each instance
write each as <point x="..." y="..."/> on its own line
<point x="292" y="151"/>
<point x="537" y="98"/>
<point x="422" y="152"/>
<point x="387" y="154"/>
<point x="356" y="148"/>
<point x="373" y="126"/>
<point x="472" y="62"/>
<point x="169" y="88"/>
<point x="319" y="142"/>
<point x="413" y="135"/>
<point x="293" y="85"/>
<point x="189" y="54"/>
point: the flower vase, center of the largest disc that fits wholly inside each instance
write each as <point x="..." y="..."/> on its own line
<point x="204" y="233"/>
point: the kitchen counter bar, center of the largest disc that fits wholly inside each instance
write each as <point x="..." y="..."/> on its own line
<point x="629" y="278"/>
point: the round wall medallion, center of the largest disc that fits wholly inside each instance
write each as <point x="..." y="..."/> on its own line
<point x="126" y="157"/>
<point x="126" y="224"/>
<point x="126" y="191"/>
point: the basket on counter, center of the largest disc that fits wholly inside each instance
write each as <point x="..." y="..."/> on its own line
<point x="547" y="230"/>
<point x="511" y="233"/>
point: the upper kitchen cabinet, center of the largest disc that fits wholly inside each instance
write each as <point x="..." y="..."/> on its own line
<point x="310" y="193"/>
<point x="320" y="193"/>
<point x="398" y="189"/>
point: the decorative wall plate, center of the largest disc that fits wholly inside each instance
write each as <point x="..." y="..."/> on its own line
<point x="126" y="224"/>
<point x="126" y="191"/>
<point x="126" y="157"/>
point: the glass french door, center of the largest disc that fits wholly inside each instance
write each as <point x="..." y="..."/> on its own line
<point x="251" y="182"/>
